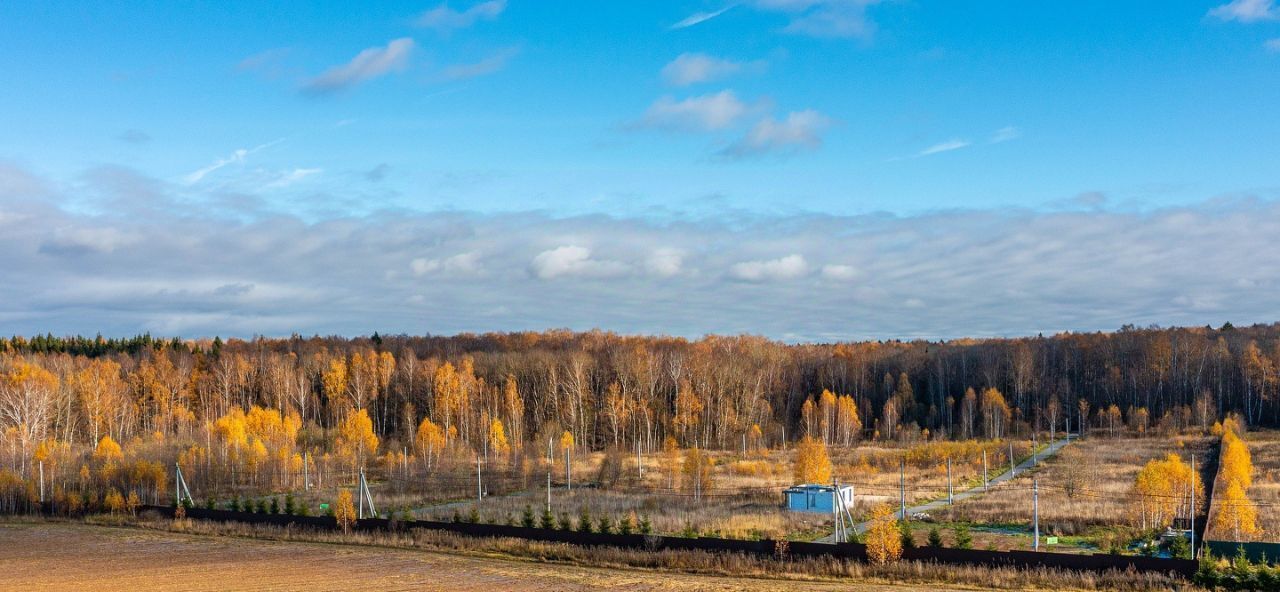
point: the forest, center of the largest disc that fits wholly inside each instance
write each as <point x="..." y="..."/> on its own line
<point x="274" y="404"/>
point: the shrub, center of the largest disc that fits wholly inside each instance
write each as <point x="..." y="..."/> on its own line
<point x="210" y="504"/>
<point x="584" y="520"/>
<point x="646" y="527"/>
<point x="548" y="519"/>
<point x="473" y="517"/>
<point x="1180" y="548"/>
<point x="526" y="518"/>
<point x="604" y="525"/>
<point x="627" y="524"/>
<point x="935" y="538"/>
<point x="565" y="523"/>
<point x="275" y="505"/>
<point x="457" y="518"/>
<point x="290" y="505"/>
<point x="960" y="533"/>
<point x="908" y="539"/>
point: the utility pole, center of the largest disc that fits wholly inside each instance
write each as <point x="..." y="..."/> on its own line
<point x="835" y="509"/>
<point x="1193" y="506"/>
<point x="1035" y="502"/>
<point x="479" y="484"/>
<point x="950" y="498"/>
<point x="1013" y="469"/>
<point x="568" y="471"/>
<point x="902" y="487"/>
<point x="639" y="461"/>
<point x="42" y="483"/>
<point x="548" y="491"/>
<point x="984" y="469"/>
<point x="306" y="477"/>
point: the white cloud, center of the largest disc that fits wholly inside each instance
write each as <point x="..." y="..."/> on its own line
<point x="1005" y="134"/>
<point x="489" y="65"/>
<point x="693" y="68"/>
<point x="1247" y="11"/>
<point x="703" y="113"/>
<point x="573" y="260"/>
<point x="665" y="262"/>
<point x="368" y="64"/>
<point x="445" y="19"/>
<point x="946" y="146"/>
<point x="236" y="157"/>
<point x="460" y="264"/>
<point x="824" y="18"/>
<point x="785" y="268"/>
<point x="699" y="18"/>
<point x="839" y="272"/>
<point x="801" y="130"/>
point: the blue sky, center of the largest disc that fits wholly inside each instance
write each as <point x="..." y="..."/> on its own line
<point x="637" y="157"/>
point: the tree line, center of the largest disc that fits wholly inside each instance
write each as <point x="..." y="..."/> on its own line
<point x="500" y="392"/>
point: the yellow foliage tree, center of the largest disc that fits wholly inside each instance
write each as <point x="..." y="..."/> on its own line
<point x="671" y="459"/>
<point x="1237" y="463"/>
<point x="697" y="471"/>
<point x="884" y="540"/>
<point x="756" y="439"/>
<point x="430" y="441"/>
<point x="848" y="424"/>
<point x="356" y="439"/>
<point x="107" y="451"/>
<point x="812" y="465"/>
<point x="688" y="410"/>
<point x="114" y="502"/>
<point x="497" y="442"/>
<point x="1163" y="488"/>
<point x="344" y="511"/>
<point x="1236" y="514"/>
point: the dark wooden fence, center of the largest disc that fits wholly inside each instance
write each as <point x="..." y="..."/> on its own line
<point x="791" y="549"/>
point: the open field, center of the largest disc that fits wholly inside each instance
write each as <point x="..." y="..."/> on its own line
<point x="79" y="557"/>
<point x="1264" y="448"/>
<point x="1085" y="488"/>
<point x="745" y="500"/>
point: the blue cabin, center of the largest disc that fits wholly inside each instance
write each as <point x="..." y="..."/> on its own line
<point x="819" y="499"/>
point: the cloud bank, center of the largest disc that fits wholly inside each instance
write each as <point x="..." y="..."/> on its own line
<point x="148" y="264"/>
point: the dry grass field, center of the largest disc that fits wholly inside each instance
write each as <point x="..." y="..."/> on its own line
<point x="45" y="556"/>
<point x="1102" y="471"/>
<point x="1264" y="448"/>
<point x="745" y="500"/>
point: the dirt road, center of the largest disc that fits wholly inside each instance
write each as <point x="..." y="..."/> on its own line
<point x="57" y="556"/>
